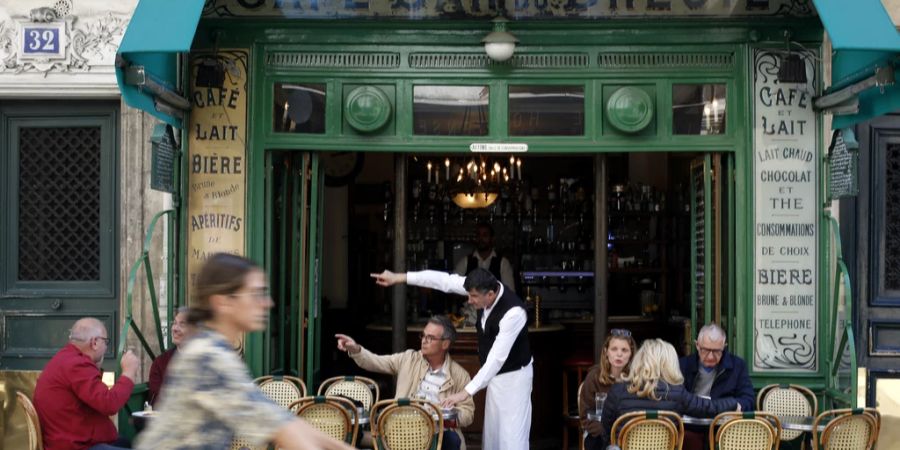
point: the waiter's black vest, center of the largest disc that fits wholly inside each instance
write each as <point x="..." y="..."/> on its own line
<point x="520" y="353"/>
<point x="494" y="268"/>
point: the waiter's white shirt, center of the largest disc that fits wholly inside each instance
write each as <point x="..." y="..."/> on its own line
<point x="506" y="272"/>
<point x="510" y="324"/>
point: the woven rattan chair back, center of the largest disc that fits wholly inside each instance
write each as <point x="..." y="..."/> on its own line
<point x="334" y="416"/>
<point x="847" y="430"/>
<point x="361" y="389"/>
<point x="787" y="400"/>
<point x="405" y="427"/>
<point x="239" y="443"/>
<point x="745" y="431"/>
<point x="35" y="440"/>
<point x="283" y="390"/>
<point x="648" y="430"/>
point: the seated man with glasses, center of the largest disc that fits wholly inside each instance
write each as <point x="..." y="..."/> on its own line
<point x="428" y="373"/>
<point x="72" y="402"/>
<point x="715" y="373"/>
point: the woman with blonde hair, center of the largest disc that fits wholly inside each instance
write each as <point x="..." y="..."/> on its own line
<point x="209" y="395"/>
<point x="615" y="359"/>
<point x="655" y="383"/>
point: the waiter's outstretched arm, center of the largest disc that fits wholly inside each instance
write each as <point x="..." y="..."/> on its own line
<point x="442" y="281"/>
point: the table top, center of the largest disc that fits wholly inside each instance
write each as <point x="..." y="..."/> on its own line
<point x="449" y="414"/>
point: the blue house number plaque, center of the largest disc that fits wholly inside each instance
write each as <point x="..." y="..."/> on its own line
<point x="42" y="40"/>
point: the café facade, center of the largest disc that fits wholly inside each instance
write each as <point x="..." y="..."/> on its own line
<point x="646" y="164"/>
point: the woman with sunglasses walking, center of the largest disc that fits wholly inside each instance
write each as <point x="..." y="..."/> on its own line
<point x="209" y="396"/>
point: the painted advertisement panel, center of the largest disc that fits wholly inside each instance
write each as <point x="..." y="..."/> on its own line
<point x="786" y="165"/>
<point x="217" y="180"/>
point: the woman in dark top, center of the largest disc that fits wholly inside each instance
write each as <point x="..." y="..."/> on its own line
<point x="655" y="383"/>
<point x="615" y="359"/>
<point x="180" y="331"/>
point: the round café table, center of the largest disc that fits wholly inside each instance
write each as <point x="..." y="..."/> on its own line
<point x="797" y="423"/>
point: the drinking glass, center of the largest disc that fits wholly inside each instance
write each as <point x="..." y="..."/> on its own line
<point x="599" y="399"/>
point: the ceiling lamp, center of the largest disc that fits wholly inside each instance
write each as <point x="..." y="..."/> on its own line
<point x="500" y="44"/>
<point x="476" y="182"/>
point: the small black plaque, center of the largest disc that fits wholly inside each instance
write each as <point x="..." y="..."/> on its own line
<point x="843" y="164"/>
<point x="163" y="151"/>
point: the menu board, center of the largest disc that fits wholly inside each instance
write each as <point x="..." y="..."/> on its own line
<point x="786" y="162"/>
<point x="216" y="162"/>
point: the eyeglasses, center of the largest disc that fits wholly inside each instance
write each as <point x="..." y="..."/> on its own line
<point x="620" y="332"/>
<point x="710" y="351"/>
<point x="257" y="295"/>
<point x="429" y="338"/>
<point x="105" y="340"/>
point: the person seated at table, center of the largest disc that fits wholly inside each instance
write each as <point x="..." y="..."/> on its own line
<point x="715" y="373"/>
<point x="655" y="383"/>
<point x="428" y="373"/>
<point x="615" y="360"/>
<point x="72" y="403"/>
<point x="180" y="331"/>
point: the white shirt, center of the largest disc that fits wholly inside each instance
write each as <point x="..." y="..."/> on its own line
<point x="430" y="386"/>
<point x="506" y="272"/>
<point x="510" y="324"/>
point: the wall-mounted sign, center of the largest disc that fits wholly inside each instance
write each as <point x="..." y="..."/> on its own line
<point x="497" y="147"/>
<point x="163" y="150"/>
<point x="217" y="162"/>
<point x="843" y="165"/>
<point x="42" y="41"/>
<point x="786" y="164"/>
<point x="516" y="9"/>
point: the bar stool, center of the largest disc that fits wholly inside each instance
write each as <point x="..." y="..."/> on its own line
<point x="578" y="367"/>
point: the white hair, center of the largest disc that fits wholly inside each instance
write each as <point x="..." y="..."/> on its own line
<point x="713" y="332"/>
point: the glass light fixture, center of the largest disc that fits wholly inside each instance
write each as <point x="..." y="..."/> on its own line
<point x="500" y="44"/>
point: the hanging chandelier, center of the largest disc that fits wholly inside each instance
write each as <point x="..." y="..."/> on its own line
<point x="476" y="182"/>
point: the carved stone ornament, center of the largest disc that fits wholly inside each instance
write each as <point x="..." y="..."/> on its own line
<point x="89" y="42"/>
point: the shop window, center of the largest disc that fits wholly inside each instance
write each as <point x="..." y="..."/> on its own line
<point x="892" y="218"/>
<point x="299" y="108"/>
<point x="546" y="110"/>
<point x="450" y="110"/>
<point x="698" y="109"/>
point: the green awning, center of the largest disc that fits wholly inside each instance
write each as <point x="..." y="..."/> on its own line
<point x="866" y="48"/>
<point x="147" y="60"/>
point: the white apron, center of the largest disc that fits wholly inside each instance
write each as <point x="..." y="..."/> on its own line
<point x="507" y="411"/>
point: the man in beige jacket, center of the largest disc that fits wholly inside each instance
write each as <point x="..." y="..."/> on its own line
<point x="428" y="373"/>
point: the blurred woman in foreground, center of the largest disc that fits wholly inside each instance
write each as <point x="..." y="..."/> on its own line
<point x="209" y="395"/>
<point x="655" y="383"/>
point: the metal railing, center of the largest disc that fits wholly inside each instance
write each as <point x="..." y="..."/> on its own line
<point x="842" y="362"/>
<point x="144" y="261"/>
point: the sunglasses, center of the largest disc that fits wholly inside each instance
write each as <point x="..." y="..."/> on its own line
<point x="620" y="332"/>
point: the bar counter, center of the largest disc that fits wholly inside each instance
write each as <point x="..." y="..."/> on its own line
<point x="545" y="343"/>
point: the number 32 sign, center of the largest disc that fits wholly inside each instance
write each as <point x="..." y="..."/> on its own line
<point x="42" y="41"/>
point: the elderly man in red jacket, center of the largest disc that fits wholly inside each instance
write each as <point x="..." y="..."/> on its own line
<point x="71" y="400"/>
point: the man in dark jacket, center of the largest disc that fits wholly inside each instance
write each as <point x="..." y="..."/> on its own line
<point x="715" y="373"/>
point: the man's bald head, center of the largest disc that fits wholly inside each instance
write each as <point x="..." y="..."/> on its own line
<point x="86" y="329"/>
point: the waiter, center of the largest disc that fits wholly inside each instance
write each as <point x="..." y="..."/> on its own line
<point x="486" y="257"/>
<point x="506" y="363"/>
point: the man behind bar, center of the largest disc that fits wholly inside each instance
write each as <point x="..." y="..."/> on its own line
<point x="506" y="363"/>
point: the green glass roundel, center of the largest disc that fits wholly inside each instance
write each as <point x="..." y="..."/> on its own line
<point x="630" y="109"/>
<point x="367" y="108"/>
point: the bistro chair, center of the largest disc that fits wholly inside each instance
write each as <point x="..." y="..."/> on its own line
<point x="577" y="368"/>
<point x="788" y="400"/>
<point x="847" y="429"/>
<point x="239" y="443"/>
<point x="750" y="430"/>
<point x="354" y="387"/>
<point x="334" y="416"/>
<point x="648" y="430"/>
<point x="282" y="389"/>
<point x="407" y="424"/>
<point x="35" y="440"/>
